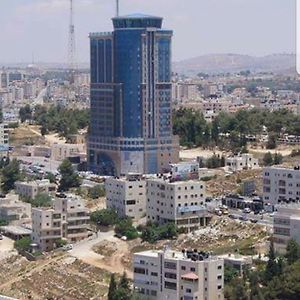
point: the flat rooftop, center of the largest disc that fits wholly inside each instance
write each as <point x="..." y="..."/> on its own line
<point x="172" y="254"/>
<point x="16" y="230"/>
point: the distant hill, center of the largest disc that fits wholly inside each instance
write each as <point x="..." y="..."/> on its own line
<point x="223" y="63"/>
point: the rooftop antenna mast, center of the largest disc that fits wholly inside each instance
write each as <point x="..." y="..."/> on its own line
<point x="117" y="8"/>
<point x="71" y="46"/>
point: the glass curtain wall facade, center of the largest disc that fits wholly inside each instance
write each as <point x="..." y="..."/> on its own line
<point x="131" y="111"/>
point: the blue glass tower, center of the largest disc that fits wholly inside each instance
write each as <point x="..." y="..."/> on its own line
<point x="131" y="113"/>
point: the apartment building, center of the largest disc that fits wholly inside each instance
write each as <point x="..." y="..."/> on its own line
<point x="286" y="226"/>
<point x="4" y="140"/>
<point x="12" y="209"/>
<point x="63" y="151"/>
<point x="67" y="220"/>
<point x="178" y="198"/>
<point x="176" y="275"/>
<point x="32" y="188"/>
<point x="241" y="162"/>
<point x="281" y="185"/>
<point x="127" y="195"/>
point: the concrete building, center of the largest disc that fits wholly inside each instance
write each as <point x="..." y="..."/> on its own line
<point x="281" y="185"/>
<point x="131" y="107"/>
<point x="12" y="209"/>
<point x="241" y="162"/>
<point x="178" y="198"/>
<point x="32" y="188"/>
<point x="4" y="139"/>
<point x="286" y="226"/>
<point x="63" y="151"/>
<point x="127" y="195"/>
<point x="237" y="261"/>
<point x="67" y="220"/>
<point x="178" y="275"/>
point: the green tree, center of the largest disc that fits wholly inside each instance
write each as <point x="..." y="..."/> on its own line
<point x="125" y="228"/>
<point x="278" y="158"/>
<point x="41" y="200"/>
<point x="104" y="217"/>
<point x="112" y="287"/>
<point x="239" y="290"/>
<point x="292" y="251"/>
<point x="271" y="268"/>
<point x="271" y="144"/>
<point x="230" y="273"/>
<point x="3" y="222"/>
<point x="97" y="191"/>
<point x="25" y="113"/>
<point x="69" y="178"/>
<point x="10" y="174"/>
<point x="23" y="244"/>
<point x="268" y="159"/>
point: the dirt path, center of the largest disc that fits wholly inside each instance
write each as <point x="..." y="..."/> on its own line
<point x="113" y="264"/>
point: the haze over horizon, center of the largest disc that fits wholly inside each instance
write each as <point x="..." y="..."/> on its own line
<point x="250" y="27"/>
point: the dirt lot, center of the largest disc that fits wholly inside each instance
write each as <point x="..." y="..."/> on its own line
<point x="60" y="278"/>
<point x="223" y="184"/>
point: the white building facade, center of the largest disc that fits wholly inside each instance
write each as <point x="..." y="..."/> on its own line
<point x="67" y="220"/>
<point x="127" y="195"/>
<point x="281" y="185"/>
<point x="185" y="275"/>
<point x="286" y="226"/>
<point x="241" y="162"/>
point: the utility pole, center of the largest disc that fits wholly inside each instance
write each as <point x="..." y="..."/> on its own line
<point x="71" y="46"/>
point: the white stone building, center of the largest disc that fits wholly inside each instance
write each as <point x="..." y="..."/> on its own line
<point x="286" y="226"/>
<point x="178" y="198"/>
<point x="178" y="275"/>
<point x="67" y="220"/>
<point x="12" y="209"/>
<point x="127" y="195"/>
<point x="32" y="188"/>
<point x="241" y="162"/>
<point x="281" y="185"/>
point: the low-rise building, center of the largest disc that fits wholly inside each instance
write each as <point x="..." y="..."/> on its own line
<point x="178" y="275"/>
<point x="241" y="162"/>
<point x="32" y="188"/>
<point x="63" y="151"/>
<point x="11" y="209"/>
<point x="281" y="185"/>
<point x="127" y="195"/>
<point x="67" y="220"/>
<point x="286" y="226"/>
<point x="178" y="198"/>
<point x="240" y="202"/>
<point x="237" y="261"/>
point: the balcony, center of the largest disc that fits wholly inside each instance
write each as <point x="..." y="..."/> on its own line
<point x="191" y="208"/>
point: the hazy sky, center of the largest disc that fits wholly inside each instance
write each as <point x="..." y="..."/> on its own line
<point x="255" y="27"/>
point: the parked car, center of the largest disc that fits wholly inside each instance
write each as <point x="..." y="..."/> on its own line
<point x="68" y="247"/>
<point x="247" y="210"/>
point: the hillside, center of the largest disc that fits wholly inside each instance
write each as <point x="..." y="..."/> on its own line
<point x="223" y="63"/>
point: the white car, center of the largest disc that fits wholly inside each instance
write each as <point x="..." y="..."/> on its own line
<point x="247" y="210"/>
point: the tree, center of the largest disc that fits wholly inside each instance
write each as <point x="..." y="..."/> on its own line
<point x="10" y="174"/>
<point x="69" y="178"/>
<point x="112" y="287"/>
<point x="292" y="252"/>
<point x="230" y="273"/>
<point x="278" y="158"/>
<point x="268" y="159"/>
<point x="3" y="222"/>
<point x="271" y="144"/>
<point x="60" y="243"/>
<point x="23" y="244"/>
<point x="125" y="228"/>
<point x="239" y="291"/>
<point x="97" y="191"/>
<point x="104" y="217"/>
<point x="25" y="113"/>
<point x="271" y="268"/>
<point x="41" y="200"/>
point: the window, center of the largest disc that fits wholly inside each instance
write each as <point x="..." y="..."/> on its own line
<point x="188" y="290"/>
<point x="170" y="285"/>
<point x="170" y="265"/>
<point x="183" y="268"/>
<point x="154" y="274"/>
<point x="170" y="275"/>
<point x="139" y="271"/>
<point x="193" y="269"/>
<point x="219" y="287"/>
<point x="219" y="267"/>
